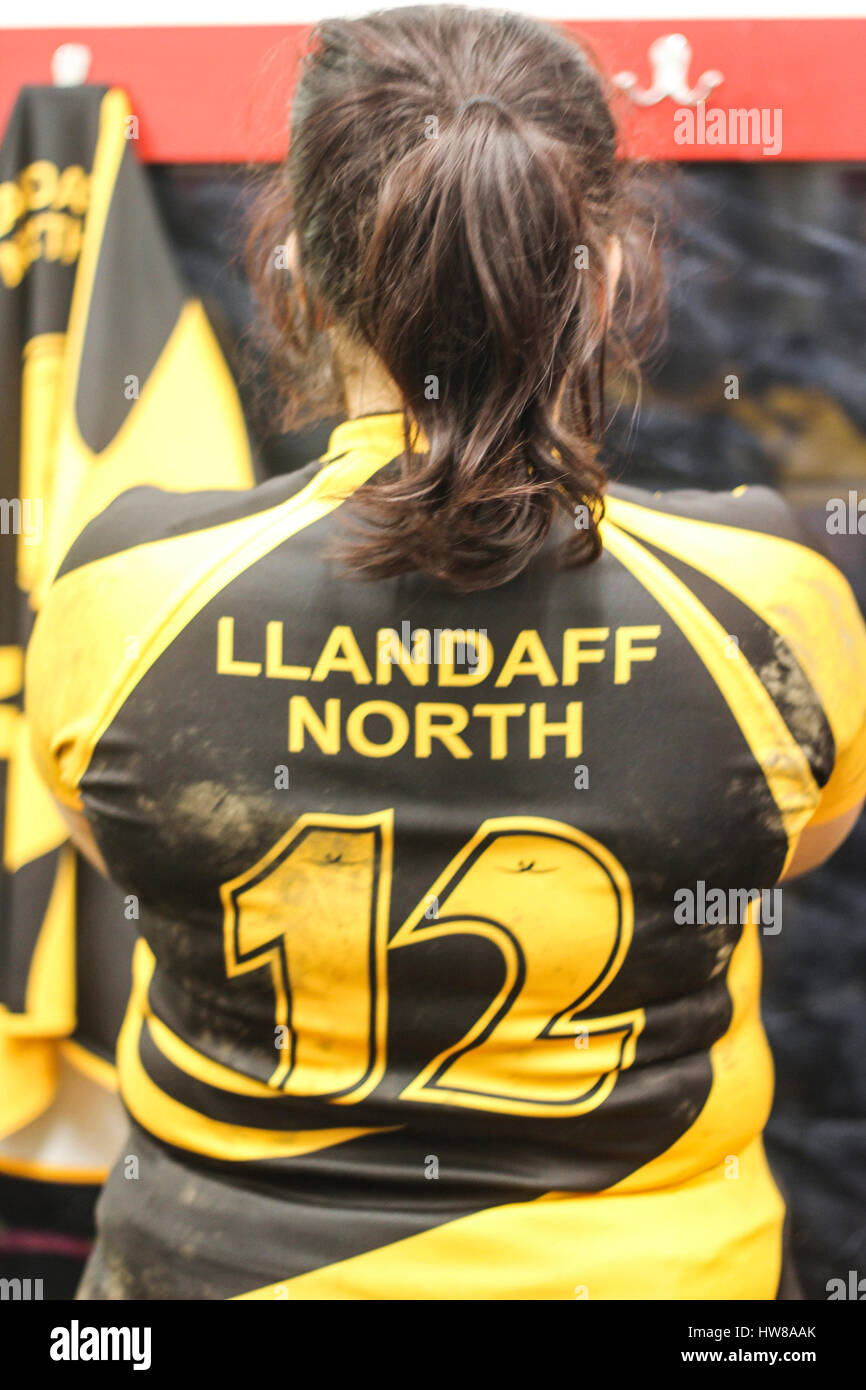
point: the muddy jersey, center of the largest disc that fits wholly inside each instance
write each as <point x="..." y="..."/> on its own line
<point x="450" y="905"/>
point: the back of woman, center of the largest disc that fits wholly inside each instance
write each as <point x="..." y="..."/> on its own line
<point x="448" y="778"/>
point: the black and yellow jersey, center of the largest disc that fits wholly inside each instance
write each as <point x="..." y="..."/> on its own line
<point x="111" y="376"/>
<point x="417" y="1010"/>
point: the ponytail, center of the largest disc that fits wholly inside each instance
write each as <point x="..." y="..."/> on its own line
<point x="455" y="192"/>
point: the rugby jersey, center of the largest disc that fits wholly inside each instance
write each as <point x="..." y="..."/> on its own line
<point x="109" y="373"/>
<point x="448" y="979"/>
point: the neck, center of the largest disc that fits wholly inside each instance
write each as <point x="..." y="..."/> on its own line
<point x="368" y="387"/>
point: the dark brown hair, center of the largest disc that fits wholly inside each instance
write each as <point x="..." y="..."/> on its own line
<point x="465" y="241"/>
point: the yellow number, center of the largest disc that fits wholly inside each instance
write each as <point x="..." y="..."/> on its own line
<point x="556" y="905"/>
<point x="313" y="909"/>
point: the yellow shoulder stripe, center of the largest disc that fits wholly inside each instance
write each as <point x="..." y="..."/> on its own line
<point x="777" y="753"/>
<point x="796" y="591"/>
<point x="103" y="626"/>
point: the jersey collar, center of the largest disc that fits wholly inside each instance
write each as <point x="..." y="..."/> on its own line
<point x="373" y="434"/>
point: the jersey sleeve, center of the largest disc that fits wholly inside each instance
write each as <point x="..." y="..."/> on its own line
<point x="837" y="669"/>
<point x="751" y="543"/>
<point x="92" y="633"/>
<point x="74" y="661"/>
<point x="814" y="609"/>
<point x="123" y="592"/>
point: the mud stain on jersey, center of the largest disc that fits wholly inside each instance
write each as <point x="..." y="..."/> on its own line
<point x="785" y="682"/>
<point x="212" y="815"/>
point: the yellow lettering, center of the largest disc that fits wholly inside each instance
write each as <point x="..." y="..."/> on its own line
<point x="38" y="183"/>
<point x="342" y="653"/>
<point x="482" y="650"/>
<point x="626" y="653"/>
<point x="572" y="729"/>
<point x="11" y="206"/>
<point x="303" y="718"/>
<point x="11" y="264"/>
<point x="71" y="240"/>
<point x="358" y="739"/>
<point x="572" y="656"/>
<point x="226" y="664"/>
<point x="73" y="188"/>
<point x="274" y="657"/>
<point x="499" y="716"/>
<point x="454" y="717"/>
<point x="527" y="658"/>
<point x="49" y="229"/>
<point x="27" y="238"/>
<point x="391" y="652"/>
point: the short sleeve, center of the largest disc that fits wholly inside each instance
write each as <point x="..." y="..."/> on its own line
<point x="751" y="543"/>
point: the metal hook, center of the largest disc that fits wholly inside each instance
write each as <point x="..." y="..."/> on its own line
<point x="70" y="64"/>
<point x="670" y="59"/>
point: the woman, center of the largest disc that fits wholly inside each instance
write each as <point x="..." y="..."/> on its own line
<point x="448" y="777"/>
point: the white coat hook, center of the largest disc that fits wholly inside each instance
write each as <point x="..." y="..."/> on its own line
<point x="70" y="64"/>
<point x="670" y="59"/>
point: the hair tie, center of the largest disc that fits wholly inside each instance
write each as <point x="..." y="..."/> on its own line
<point x="485" y="100"/>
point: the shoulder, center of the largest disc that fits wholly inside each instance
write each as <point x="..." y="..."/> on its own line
<point x="748" y="544"/>
<point x="145" y="515"/>
<point x="759" y="509"/>
<point x="130" y="582"/>
<point x="743" y="560"/>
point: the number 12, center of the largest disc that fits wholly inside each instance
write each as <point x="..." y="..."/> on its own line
<point x="555" y="904"/>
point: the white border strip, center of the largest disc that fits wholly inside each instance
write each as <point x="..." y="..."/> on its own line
<point x="107" y="14"/>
